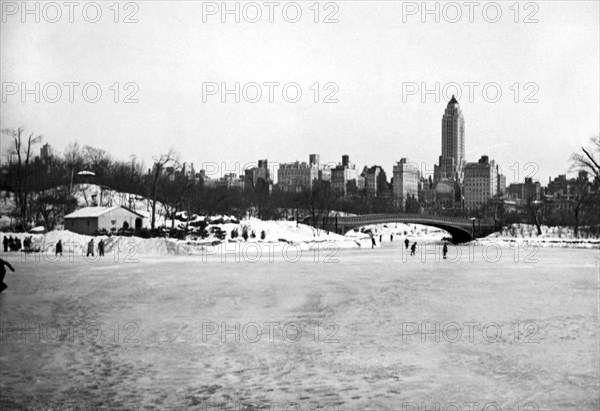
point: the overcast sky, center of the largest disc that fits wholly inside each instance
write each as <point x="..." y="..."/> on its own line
<point x="372" y="57"/>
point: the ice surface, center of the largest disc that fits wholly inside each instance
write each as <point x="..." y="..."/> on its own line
<point x="359" y="360"/>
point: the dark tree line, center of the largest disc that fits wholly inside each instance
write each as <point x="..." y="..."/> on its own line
<point x="44" y="190"/>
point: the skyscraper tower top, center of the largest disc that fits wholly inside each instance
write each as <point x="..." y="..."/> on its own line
<point x="452" y="160"/>
<point x="453" y="102"/>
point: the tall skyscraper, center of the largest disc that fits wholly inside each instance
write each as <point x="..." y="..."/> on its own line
<point x="452" y="160"/>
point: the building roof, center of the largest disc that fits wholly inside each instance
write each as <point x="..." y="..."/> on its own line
<point x="452" y="101"/>
<point x="90" y="212"/>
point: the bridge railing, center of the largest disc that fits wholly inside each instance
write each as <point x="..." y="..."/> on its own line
<point x="373" y="218"/>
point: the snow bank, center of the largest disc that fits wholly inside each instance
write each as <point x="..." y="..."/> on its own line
<point x="551" y="237"/>
<point x="282" y="232"/>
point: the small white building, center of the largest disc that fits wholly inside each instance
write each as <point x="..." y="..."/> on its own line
<point x="88" y="220"/>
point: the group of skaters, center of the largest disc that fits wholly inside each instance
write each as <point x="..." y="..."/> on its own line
<point x="8" y="243"/>
<point x="15" y="244"/>
<point x="413" y="248"/>
<point x="90" y="248"/>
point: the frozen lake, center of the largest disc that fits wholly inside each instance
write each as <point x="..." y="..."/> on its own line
<point x="374" y="330"/>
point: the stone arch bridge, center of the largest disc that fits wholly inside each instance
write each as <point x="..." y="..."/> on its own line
<point x="460" y="228"/>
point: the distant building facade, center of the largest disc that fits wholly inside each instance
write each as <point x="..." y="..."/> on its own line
<point x="405" y="182"/>
<point x="501" y="185"/>
<point x="375" y="181"/>
<point x="343" y="176"/>
<point x="46" y="152"/>
<point x="480" y="182"/>
<point x="261" y="172"/>
<point x="229" y="181"/>
<point x="187" y="171"/>
<point x="527" y="190"/>
<point x="301" y="176"/>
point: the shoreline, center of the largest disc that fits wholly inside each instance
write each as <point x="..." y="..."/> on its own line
<point x="76" y="244"/>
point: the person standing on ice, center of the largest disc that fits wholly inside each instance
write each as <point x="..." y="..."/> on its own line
<point x="90" y="249"/>
<point x="59" y="248"/>
<point x="406" y="243"/>
<point x="391" y="238"/>
<point x="101" y="248"/>
<point x="3" y="263"/>
<point x="413" y="249"/>
<point x="5" y="243"/>
<point x="372" y="241"/>
<point x="445" y="250"/>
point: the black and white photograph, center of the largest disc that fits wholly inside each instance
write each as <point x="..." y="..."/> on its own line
<point x="305" y="205"/>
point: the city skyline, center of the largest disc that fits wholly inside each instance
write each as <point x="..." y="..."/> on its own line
<point x="453" y="140"/>
<point x="375" y="121"/>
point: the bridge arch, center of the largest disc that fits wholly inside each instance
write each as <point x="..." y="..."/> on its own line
<point x="459" y="235"/>
<point x="461" y="229"/>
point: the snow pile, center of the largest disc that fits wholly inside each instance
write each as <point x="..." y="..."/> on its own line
<point x="550" y="237"/>
<point x="282" y="232"/>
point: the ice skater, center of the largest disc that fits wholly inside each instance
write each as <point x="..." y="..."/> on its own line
<point x="372" y="241"/>
<point x="391" y="238"/>
<point x="90" y="249"/>
<point x="3" y="263"/>
<point x="413" y="249"/>
<point x="101" y="248"/>
<point x="406" y="243"/>
<point x="5" y="243"/>
<point x="59" y="248"/>
<point x="445" y="250"/>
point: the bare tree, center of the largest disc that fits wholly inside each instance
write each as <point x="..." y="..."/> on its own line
<point x="52" y="204"/>
<point x="22" y="150"/>
<point x="581" y="191"/>
<point x="74" y="160"/>
<point x="164" y="166"/>
<point x="97" y="160"/>
<point x="533" y="207"/>
<point x="176" y="195"/>
<point x="319" y="201"/>
<point x="590" y="159"/>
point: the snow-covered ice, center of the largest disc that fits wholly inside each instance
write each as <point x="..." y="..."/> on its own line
<point x="182" y="331"/>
